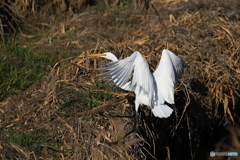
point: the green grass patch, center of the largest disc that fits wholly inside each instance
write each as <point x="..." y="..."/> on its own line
<point x="125" y="5"/>
<point x="33" y="141"/>
<point x="101" y="7"/>
<point x="69" y="152"/>
<point x="73" y="100"/>
<point x="20" y="67"/>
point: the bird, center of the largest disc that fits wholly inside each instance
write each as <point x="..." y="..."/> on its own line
<point x="151" y="89"/>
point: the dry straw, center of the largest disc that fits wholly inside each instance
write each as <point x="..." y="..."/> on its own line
<point x="207" y="97"/>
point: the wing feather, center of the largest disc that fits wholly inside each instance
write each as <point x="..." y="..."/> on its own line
<point x="168" y="73"/>
<point x="178" y="64"/>
<point x="136" y="67"/>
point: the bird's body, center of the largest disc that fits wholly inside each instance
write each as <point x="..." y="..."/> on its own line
<point x="151" y="89"/>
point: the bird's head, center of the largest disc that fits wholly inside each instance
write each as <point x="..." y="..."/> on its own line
<point x="107" y="55"/>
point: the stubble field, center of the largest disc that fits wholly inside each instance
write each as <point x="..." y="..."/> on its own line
<point x="59" y="109"/>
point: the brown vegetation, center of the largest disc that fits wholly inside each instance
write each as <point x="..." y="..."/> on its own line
<point x="205" y="34"/>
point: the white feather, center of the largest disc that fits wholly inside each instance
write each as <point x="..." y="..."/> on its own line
<point x="133" y="74"/>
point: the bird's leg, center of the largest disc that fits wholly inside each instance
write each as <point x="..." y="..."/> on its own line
<point x="134" y="129"/>
<point x="135" y="118"/>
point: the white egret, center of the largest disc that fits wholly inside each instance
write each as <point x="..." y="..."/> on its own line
<point x="151" y="89"/>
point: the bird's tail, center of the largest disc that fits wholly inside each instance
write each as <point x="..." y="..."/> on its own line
<point x="162" y="111"/>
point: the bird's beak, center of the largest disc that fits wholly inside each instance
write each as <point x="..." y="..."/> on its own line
<point x="96" y="55"/>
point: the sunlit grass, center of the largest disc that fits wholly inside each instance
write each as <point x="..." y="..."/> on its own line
<point x="20" y="67"/>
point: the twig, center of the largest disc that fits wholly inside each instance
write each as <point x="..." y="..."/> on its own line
<point x="184" y="110"/>
<point x="112" y="150"/>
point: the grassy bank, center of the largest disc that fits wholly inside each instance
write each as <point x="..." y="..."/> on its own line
<point x="20" y="66"/>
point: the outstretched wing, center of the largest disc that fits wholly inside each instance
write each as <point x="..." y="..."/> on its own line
<point x="168" y="73"/>
<point x="178" y="64"/>
<point x="133" y="69"/>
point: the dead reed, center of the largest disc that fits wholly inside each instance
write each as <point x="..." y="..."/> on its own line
<point x="205" y="34"/>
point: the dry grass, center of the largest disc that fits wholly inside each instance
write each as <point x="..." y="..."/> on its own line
<point x="205" y="34"/>
<point x="231" y="142"/>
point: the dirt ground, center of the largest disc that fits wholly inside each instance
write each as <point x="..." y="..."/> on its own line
<point x="87" y="120"/>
